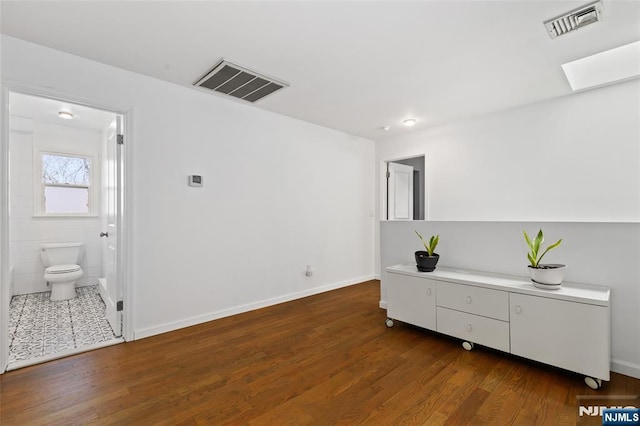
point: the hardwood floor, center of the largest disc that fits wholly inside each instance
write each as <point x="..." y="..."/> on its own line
<point x="325" y="359"/>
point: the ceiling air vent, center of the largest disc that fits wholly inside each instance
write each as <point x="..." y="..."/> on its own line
<point x="575" y="19"/>
<point x="234" y="80"/>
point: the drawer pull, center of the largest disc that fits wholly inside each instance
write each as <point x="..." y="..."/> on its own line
<point x="469" y="328"/>
<point x="468" y="299"/>
<point x="518" y="309"/>
<point x="429" y="292"/>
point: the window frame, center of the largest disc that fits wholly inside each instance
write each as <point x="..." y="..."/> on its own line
<point x="40" y="185"/>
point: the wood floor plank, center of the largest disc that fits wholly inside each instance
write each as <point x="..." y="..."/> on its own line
<point x="325" y="359"/>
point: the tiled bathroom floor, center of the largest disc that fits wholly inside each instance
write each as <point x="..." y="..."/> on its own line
<point x="40" y="327"/>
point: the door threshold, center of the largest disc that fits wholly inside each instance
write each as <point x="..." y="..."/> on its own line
<point x="62" y="354"/>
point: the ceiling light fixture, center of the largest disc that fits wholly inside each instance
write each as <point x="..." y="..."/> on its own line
<point x="66" y="115"/>
<point x="385" y="128"/>
<point x="409" y="122"/>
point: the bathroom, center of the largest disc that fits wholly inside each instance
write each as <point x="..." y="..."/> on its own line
<point x="59" y="192"/>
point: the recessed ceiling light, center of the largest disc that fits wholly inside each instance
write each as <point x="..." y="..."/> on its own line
<point x="385" y="128"/>
<point x="409" y="122"/>
<point x="65" y="115"/>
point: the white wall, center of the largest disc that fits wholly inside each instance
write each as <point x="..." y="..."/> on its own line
<point x="571" y="159"/>
<point x="28" y="232"/>
<point x="485" y="185"/>
<point x="278" y="193"/>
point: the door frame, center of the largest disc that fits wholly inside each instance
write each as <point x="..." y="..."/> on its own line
<point x="125" y="249"/>
<point x="382" y="185"/>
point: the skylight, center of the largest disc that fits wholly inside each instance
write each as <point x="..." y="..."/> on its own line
<point x="620" y="63"/>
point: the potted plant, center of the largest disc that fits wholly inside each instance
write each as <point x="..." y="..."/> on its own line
<point x="547" y="276"/>
<point x="426" y="260"/>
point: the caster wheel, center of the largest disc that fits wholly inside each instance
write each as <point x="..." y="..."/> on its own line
<point x="389" y="322"/>
<point x="594" y="384"/>
<point x="467" y="345"/>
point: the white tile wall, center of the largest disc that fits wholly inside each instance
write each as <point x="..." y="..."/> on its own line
<point x="28" y="232"/>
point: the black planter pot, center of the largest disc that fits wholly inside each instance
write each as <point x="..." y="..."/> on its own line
<point x="426" y="263"/>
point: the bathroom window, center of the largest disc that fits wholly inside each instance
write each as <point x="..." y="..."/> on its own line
<point x="66" y="184"/>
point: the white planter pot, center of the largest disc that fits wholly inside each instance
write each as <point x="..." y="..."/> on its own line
<point x="549" y="276"/>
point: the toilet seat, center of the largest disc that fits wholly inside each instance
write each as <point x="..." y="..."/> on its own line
<point x="62" y="269"/>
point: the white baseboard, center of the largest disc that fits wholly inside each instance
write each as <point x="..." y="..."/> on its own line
<point x="86" y="282"/>
<point x="199" y="319"/>
<point x="102" y="288"/>
<point x="626" y="368"/>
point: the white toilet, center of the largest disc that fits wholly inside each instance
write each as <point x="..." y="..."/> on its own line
<point x="62" y="269"/>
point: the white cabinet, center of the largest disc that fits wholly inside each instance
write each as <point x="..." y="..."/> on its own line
<point x="573" y="336"/>
<point x="412" y="300"/>
<point x="567" y="328"/>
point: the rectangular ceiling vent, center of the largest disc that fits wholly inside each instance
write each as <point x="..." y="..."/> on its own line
<point x="575" y="19"/>
<point x="240" y="82"/>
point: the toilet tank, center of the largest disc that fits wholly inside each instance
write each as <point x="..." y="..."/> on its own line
<point x="61" y="253"/>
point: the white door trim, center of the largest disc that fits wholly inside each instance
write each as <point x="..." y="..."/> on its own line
<point x="124" y="249"/>
<point x="4" y="229"/>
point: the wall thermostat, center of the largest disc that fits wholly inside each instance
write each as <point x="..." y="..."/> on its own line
<point x="195" y="180"/>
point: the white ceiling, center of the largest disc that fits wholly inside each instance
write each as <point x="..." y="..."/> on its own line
<point x="352" y="65"/>
<point x="46" y="111"/>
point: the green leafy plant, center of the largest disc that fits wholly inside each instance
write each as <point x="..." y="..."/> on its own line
<point x="534" y="248"/>
<point x="431" y="246"/>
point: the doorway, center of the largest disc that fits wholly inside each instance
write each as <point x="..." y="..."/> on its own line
<point x="405" y="191"/>
<point x="65" y="186"/>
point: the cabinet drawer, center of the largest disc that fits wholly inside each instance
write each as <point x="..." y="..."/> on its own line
<point x="411" y="300"/>
<point x="484" y="331"/>
<point x="474" y="300"/>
